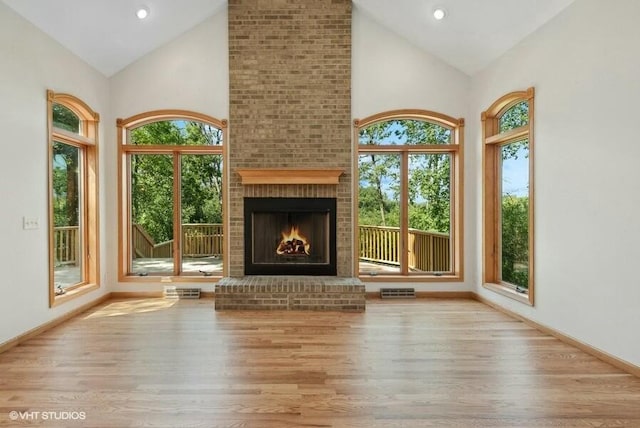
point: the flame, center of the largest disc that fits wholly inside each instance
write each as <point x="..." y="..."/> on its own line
<point x="291" y="236"/>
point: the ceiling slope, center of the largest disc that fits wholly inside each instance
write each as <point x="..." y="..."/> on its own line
<point x="108" y="36"/>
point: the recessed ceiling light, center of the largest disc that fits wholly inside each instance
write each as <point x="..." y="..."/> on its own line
<point x="142" y="12"/>
<point x="439" y="13"/>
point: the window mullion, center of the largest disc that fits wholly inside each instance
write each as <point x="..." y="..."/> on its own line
<point x="177" y="213"/>
<point x="509" y="136"/>
<point x="127" y="203"/>
<point x="71" y="137"/>
<point x="499" y="216"/>
<point x="84" y="218"/>
<point x="404" y="213"/>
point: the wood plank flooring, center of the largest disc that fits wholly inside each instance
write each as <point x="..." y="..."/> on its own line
<point x="423" y="363"/>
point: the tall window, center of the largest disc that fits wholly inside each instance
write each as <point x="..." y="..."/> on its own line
<point x="409" y="196"/>
<point x="508" y="195"/>
<point x="172" y="188"/>
<point x="73" y="197"/>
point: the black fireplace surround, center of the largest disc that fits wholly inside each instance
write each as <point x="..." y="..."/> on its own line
<point x="290" y="236"/>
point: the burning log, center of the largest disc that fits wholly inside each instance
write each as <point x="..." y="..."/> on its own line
<point x="291" y="247"/>
<point x="293" y="244"/>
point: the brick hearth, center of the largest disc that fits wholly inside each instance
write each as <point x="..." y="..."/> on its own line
<point x="291" y="292"/>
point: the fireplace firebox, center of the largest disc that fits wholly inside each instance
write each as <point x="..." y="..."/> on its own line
<point x="290" y="236"/>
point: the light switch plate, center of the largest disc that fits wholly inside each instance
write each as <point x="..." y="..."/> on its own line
<point x="30" y="223"/>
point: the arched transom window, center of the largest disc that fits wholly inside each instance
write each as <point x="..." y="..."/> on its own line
<point x="409" y="195"/>
<point x="508" y="195"/>
<point x="172" y="194"/>
<point x="73" y="197"/>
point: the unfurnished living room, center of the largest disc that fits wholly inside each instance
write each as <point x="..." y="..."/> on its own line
<point x="320" y="213"/>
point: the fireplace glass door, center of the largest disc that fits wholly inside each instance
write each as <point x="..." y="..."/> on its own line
<point x="292" y="236"/>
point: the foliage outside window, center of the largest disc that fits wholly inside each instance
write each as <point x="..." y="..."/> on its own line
<point x="508" y="195"/>
<point x="172" y="189"/>
<point x="409" y="196"/>
<point x="73" y="198"/>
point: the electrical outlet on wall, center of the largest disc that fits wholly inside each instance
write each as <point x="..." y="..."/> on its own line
<point x="30" y="223"/>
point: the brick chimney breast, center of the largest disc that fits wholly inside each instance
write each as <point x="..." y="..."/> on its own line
<point x="290" y="106"/>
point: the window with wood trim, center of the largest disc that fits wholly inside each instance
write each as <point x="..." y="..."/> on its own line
<point x="171" y="183"/>
<point x="508" y="196"/>
<point x="73" y="197"/>
<point x="409" y="190"/>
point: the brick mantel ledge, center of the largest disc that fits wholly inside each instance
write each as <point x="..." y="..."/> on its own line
<point x="290" y="175"/>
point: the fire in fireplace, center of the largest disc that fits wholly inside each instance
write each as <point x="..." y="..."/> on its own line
<point x="293" y="243"/>
<point x="290" y="236"/>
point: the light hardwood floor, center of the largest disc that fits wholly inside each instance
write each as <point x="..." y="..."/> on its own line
<point x="423" y="363"/>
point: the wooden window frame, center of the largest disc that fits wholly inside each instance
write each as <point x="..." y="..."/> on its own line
<point x="493" y="140"/>
<point x="456" y="150"/>
<point x="125" y="148"/>
<point x="87" y="141"/>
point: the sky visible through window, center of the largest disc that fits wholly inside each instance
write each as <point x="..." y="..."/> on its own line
<point x="515" y="169"/>
<point x="515" y="173"/>
<point x="396" y="135"/>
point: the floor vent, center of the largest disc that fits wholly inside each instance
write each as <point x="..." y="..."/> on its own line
<point x="397" y="293"/>
<point x="172" y="292"/>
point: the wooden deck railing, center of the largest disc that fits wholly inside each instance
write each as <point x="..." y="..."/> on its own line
<point x="198" y="240"/>
<point x="145" y="247"/>
<point x="65" y="245"/>
<point x="380" y="244"/>
<point x="428" y="251"/>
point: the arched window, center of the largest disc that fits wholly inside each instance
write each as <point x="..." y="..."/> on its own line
<point x="409" y="196"/>
<point x="172" y="192"/>
<point x="73" y="197"/>
<point x="508" y="195"/>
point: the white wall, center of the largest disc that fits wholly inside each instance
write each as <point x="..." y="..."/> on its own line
<point x="585" y="66"/>
<point x="31" y="63"/>
<point x="189" y="73"/>
<point x="390" y="73"/>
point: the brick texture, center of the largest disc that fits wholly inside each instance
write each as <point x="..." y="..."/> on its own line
<point x="290" y="105"/>
<point x="290" y="293"/>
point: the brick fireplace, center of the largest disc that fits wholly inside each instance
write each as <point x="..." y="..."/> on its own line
<point x="290" y="236"/>
<point x="290" y="110"/>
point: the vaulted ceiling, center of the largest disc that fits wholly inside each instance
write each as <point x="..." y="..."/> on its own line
<point x="108" y="36"/>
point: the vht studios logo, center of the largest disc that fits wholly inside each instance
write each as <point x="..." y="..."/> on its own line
<point x="47" y="416"/>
